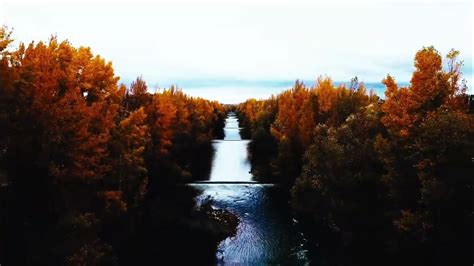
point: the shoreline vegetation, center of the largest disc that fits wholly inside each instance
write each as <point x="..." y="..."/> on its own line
<point x="93" y="167"/>
<point x="374" y="181"/>
<point x="92" y="170"/>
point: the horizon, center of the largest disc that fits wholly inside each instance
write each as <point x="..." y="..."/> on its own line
<point x="237" y="91"/>
<point x="244" y="44"/>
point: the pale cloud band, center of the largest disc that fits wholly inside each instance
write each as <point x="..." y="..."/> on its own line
<point x="170" y="41"/>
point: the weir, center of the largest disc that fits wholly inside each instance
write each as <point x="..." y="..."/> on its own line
<point x="231" y="164"/>
<point x="230" y="182"/>
<point x="267" y="233"/>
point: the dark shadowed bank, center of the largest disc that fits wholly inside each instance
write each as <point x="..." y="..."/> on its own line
<point x="168" y="228"/>
<point x="174" y="230"/>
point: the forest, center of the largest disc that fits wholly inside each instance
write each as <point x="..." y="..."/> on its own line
<point x="91" y="170"/>
<point x="83" y="157"/>
<point x="384" y="175"/>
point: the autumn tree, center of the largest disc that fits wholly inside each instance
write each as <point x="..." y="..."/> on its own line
<point x="6" y="85"/>
<point x="428" y="149"/>
<point x="78" y="150"/>
<point x="137" y="96"/>
<point x="128" y="146"/>
<point x="339" y="183"/>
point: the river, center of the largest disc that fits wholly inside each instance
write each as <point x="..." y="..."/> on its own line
<point x="267" y="233"/>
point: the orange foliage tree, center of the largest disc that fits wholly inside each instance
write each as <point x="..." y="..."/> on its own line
<point x="427" y="151"/>
<point x="79" y="149"/>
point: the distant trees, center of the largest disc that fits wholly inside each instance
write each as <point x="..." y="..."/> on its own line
<point x="356" y="163"/>
<point x="290" y="120"/>
<point x="81" y="151"/>
<point x="180" y="126"/>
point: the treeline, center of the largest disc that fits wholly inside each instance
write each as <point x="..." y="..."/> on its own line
<point x="80" y="154"/>
<point x="383" y="174"/>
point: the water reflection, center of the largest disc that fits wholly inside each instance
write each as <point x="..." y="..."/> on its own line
<point x="230" y="161"/>
<point x="266" y="232"/>
<point x="231" y="122"/>
<point x="232" y="134"/>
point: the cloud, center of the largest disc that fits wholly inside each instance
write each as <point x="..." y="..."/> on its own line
<point x="167" y="41"/>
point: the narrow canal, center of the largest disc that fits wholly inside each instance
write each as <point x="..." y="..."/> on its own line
<point x="267" y="234"/>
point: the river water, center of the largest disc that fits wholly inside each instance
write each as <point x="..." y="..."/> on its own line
<point x="267" y="234"/>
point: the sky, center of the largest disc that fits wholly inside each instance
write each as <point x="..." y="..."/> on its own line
<point x="233" y="50"/>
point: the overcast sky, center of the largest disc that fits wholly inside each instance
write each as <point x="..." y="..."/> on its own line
<point x="182" y="41"/>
